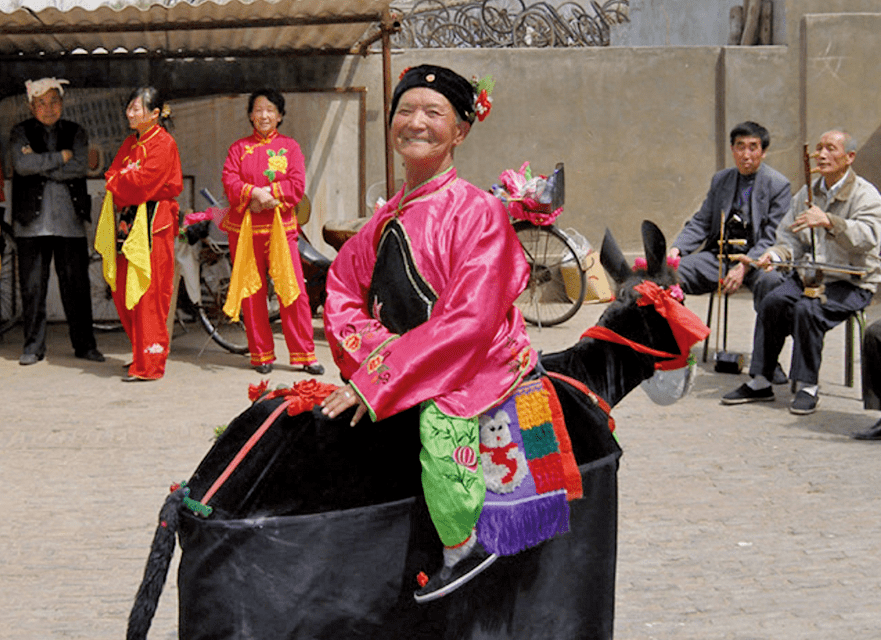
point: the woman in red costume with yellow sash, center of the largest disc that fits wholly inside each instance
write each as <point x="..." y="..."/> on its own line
<point x="264" y="178"/>
<point x="136" y="231"/>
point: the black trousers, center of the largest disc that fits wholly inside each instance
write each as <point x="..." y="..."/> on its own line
<point x="872" y="366"/>
<point x="699" y="273"/>
<point x="72" y="268"/>
<point x="787" y="311"/>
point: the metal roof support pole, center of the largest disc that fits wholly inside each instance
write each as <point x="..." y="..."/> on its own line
<point x="387" y="27"/>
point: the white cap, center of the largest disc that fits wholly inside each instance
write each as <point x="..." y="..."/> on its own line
<point x="36" y="88"/>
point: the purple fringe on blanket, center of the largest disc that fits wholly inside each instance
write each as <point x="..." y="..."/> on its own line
<point x="507" y="527"/>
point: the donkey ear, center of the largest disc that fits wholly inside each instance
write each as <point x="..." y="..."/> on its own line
<point x="613" y="259"/>
<point x="655" y="247"/>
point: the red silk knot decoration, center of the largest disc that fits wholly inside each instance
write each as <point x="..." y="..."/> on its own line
<point x="301" y="397"/>
<point x="687" y="328"/>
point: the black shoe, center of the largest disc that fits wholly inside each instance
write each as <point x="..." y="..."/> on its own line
<point x="744" y="393"/>
<point x="264" y="368"/>
<point x="803" y="403"/>
<point x="29" y="358"/>
<point x="872" y="433"/>
<point x="448" y="579"/>
<point x="92" y="354"/>
<point x="314" y="369"/>
<point x="779" y="376"/>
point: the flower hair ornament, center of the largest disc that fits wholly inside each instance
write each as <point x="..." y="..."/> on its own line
<point x="165" y="112"/>
<point x="483" y="102"/>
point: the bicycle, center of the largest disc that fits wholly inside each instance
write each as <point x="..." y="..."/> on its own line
<point x="206" y="267"/>
<point x="10" y="294"/>
<point x="557" y="278"/>
<point x="104" y="314"/>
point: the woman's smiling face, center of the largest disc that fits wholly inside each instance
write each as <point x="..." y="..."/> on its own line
<point x="265" y="115"/>
<point x="139" y="118"/>
<point x="425" y="126"/>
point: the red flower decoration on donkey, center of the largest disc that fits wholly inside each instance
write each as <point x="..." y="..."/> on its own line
<point x="257" y="390"/>
<point x="303" y="395"/>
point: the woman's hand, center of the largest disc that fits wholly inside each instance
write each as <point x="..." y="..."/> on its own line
<point x="340" y="400"/>
<point x="262" y="198"/>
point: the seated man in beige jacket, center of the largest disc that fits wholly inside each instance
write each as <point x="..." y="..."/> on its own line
<point x="845" y="221"/>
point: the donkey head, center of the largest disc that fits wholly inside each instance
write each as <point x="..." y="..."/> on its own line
<point x="655" y="267"/>
<point x="648" y="314"/>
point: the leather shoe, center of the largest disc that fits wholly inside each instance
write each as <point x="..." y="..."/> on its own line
<point x="92" y="354"/>
<point x="29" y="358"/>
<point x="264" y="368"/>
<point x="872" y="433"/>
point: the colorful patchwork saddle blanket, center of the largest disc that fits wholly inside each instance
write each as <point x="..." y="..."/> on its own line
<point x="530" y="470"/>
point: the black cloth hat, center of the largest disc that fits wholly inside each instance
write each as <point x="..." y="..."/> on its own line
<point x="448" y="83"/>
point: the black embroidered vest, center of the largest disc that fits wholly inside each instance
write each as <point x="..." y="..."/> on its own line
<point x="27" y="191"/>
<point x="398" y="296"/>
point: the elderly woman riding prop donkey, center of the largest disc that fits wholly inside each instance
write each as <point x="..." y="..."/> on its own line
<point x="339" y="522"/>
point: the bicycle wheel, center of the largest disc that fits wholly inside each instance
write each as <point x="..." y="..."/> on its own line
<point x="533" y="29"/>
<point x="104" y="314"/>
<point x="557" y="282"/>
<point x="10" y="294"/>
<point x="214" y="273"/>
<point x="498" y="18"/>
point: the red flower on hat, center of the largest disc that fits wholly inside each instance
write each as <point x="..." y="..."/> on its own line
<point x="403" y="73"/>
<point x="483" y="105"/>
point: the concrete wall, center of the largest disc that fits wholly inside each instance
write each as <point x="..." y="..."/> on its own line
<point x="840" y="70"/>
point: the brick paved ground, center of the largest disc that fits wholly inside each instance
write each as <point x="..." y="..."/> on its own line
<point x="740" y="523"/>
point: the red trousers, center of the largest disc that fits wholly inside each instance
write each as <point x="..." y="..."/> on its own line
<point x="296" y="319"/>
<point x="146" y="324"/>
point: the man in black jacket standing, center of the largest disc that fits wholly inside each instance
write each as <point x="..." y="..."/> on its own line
<point x="50" y="210"/>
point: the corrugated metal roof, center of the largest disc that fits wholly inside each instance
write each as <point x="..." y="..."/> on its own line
<point x="188" y="28"/>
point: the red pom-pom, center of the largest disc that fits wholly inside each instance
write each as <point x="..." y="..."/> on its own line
<point x="422" y="578"/>
<point x="174" y="487"/>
